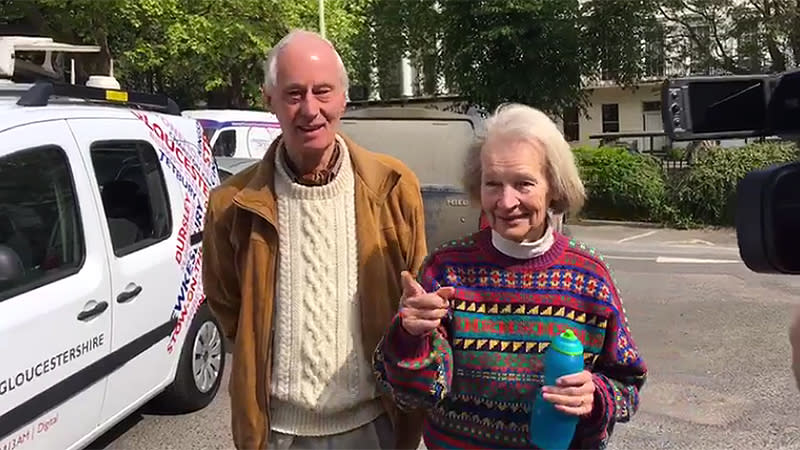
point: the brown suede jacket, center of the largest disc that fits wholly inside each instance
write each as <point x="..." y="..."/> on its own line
<point x="240" y="245"/>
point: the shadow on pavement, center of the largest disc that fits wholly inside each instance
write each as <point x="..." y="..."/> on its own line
<point x="108" y="438"/>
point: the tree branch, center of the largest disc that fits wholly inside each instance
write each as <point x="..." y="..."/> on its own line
<point x="726" y="62"/>
<point x="775" y="53"/>
<point x="794" y="33"/>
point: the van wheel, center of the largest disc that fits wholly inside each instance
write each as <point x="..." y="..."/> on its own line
<point x="200" y="368"/>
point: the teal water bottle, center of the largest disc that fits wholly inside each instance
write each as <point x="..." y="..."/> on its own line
<point x="551" y="429"/>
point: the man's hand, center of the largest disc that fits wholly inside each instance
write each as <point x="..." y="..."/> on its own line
<point x="420" y="311"/>
<point x="794" y="339"/>
<point x="572" y="394"/>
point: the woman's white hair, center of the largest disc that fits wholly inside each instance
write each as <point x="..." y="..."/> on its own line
<point x="271" y="63"/>
<point x="516" y="122"/>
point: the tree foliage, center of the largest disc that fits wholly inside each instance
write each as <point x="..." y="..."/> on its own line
<point x="735" y="36"/>
<point x="536" y="52"/>
<point x="193" y="50"/>
<point x="539" y="52"/>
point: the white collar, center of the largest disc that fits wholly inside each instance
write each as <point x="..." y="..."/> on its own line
<point x="525" y="250"/>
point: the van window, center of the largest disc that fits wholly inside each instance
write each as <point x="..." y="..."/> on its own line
<point x="226" y="144"/>
<point x="41" y="239"/>
<point x="134" y="194"/>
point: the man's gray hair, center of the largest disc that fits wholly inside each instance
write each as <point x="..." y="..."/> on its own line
<point x="271" y="63"/>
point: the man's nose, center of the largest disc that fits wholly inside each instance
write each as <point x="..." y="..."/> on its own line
<point x="309" y="107"/>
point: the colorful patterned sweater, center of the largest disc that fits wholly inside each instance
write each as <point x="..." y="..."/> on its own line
<point x="478" y="372"/>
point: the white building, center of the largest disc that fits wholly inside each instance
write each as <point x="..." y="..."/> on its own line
<point x="674" y="50"/>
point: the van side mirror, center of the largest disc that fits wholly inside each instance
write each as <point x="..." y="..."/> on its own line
<point x="768" y="219"/>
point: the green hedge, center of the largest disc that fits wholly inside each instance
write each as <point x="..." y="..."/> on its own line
<point x="629" y="186"/>
<point x="621" y="185"/>
<point x="706" y="194"/>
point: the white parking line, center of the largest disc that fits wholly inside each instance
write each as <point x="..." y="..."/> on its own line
<point x="637" y="236"/>
<point x="672" y="259"/>
<point x="724" y="249"/>
<point x="690" y="242"/>
<point x="678" y="260"/>
<point x="630" y="258"/>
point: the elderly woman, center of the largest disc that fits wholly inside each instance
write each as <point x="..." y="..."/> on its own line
<point x="468" y="341"/>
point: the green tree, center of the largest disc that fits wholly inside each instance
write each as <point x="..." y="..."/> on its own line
<point x="345" y="25"/>
<point x="536" y="52"/>
<point x="192" y="50"/>
<point x="766" y="32"/>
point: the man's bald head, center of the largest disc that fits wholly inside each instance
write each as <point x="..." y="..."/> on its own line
<point x="300" y="41"/>
<point x="306" y="89"/>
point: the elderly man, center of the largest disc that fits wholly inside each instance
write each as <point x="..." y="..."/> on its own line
<point x="302" y="255"/>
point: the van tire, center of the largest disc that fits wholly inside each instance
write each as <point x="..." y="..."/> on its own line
<point x="184" y="395"/>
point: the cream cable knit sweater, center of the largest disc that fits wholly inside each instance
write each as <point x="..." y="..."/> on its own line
<point x="321" y="383"/>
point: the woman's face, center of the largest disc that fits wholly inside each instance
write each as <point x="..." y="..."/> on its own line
<point x="514" y="188"/>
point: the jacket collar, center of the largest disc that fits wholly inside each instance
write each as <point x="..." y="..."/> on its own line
<point x="258" y="195"/>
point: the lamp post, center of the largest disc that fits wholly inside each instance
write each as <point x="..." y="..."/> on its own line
<point x="322" y="17"/>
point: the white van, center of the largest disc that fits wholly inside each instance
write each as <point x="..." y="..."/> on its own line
<point x="101" y="301"/>
<point x="237" y="133"/>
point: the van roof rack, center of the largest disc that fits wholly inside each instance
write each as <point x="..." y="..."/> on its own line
<point x="42" y="91"/>
<point x="10" y="45"/>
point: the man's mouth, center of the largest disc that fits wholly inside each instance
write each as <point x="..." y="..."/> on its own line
<point x="310" y="128"/>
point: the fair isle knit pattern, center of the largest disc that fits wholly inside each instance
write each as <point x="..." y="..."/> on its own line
<point x="478" y="373"/>
<point x="319" y="384"/>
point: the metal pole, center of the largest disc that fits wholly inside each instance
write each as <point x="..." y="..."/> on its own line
<point x="322" y="17"/>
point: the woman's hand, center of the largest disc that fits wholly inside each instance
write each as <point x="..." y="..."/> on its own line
<point x="420" y="311"/>
<point x="572" y="394"/>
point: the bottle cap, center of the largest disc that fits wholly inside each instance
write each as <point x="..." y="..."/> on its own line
<point x="568" y="343"/>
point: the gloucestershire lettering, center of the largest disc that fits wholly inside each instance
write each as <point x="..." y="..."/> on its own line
<point x="50" y="364"/>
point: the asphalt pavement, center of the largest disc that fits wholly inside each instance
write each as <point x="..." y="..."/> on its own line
<point x="713" y="334"/>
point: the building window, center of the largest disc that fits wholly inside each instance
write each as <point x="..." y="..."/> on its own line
<point x="748" y="48"/>
<point x="610" y="118"/>
<point x="655" y="52"/>
<point x="651" y="106"/>
<point x="699" y="45"/>
<point x="572" y="131"/>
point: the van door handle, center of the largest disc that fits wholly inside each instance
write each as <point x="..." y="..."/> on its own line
<point x="96" y="310"/>
<point x="129" y="295"/>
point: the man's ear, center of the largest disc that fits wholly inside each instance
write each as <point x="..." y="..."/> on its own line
<point x="266" y="97"/>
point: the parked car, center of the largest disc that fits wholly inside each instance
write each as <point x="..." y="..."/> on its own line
<point x="237" y="133"/>
<point x="101" y="301"/>
<point x="434" y="145"/>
